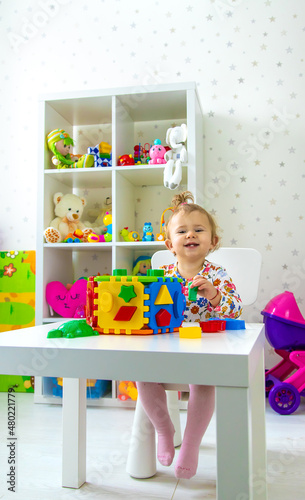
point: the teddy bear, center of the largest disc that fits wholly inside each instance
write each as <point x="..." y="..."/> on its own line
<point x="68" y="211"/>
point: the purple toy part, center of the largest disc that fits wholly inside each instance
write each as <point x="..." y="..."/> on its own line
<point x="67" y="303"/>
<point x="284" y="334"/>
<point x="284" y="398"/>
<point x="284" y="306"/>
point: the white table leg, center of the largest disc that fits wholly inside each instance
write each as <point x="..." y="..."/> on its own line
<point x="233" y="444"/>
<point x="141" y="461"/>
<point x="259" y="459"/>
<point x="74" y="432"/>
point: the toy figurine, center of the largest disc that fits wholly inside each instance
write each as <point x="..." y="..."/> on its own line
<point x="148" y="232"/>
<point x="59" y="142"/>
<point x="140" y="265"/>
<point x="176" y="156"/>
<point x="156" y="153"/>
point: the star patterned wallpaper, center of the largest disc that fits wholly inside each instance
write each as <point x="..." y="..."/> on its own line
<point x="247" y="58"/>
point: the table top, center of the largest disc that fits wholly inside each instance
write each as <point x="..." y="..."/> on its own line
<point x="226" y="358"/>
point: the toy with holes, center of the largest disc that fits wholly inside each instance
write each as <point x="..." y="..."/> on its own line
<point x="285" y="332"/>
<point x="140" y="305"/>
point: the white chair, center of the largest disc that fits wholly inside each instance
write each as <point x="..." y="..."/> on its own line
<point x="243" y="266"/>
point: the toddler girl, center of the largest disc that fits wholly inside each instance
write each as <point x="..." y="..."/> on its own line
<point x="191" y="234"/>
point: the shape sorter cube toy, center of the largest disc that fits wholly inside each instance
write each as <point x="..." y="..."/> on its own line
<point x="141" y="305"/>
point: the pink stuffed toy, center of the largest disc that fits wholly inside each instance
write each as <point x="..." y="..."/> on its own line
<point x="68" y="302"/>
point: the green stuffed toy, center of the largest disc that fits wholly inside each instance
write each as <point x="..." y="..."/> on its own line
<point x="59" y="142"/>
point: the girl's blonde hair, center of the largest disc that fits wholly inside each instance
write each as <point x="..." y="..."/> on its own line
<point x="180" y="204"/>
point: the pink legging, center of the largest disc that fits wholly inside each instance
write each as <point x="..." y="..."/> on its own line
<point x="200" y="410"/>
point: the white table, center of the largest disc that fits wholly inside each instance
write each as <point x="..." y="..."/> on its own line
<point x="232" y="361"/>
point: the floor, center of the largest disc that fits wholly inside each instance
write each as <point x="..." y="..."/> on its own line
<point x="38" y="457"/>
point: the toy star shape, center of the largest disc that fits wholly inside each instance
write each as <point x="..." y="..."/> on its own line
<point x="127" y="293"/>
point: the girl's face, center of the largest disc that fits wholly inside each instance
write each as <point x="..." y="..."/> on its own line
<point x="62" y="148"/>
<point x="190" y="236"/>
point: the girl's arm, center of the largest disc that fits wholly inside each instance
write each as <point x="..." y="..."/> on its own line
<point x="221" y="292"/>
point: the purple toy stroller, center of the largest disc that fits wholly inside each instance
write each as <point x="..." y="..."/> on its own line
<point x="285" y="331"/>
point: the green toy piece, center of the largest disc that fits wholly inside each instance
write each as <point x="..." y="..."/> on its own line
<point x="192" y="295"/>
<point x="72" y="329"/>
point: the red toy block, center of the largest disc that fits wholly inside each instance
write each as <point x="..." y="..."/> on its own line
<point x="163" y="317"/>
<point x="213" y="326"/>
<point x="125" y="313"/>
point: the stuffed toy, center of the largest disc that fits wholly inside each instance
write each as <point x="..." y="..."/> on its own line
<point x="176" y="156"/>
<point x="67" y="301"/>
<point x="98" y="224"/>
<point x="68" y="211"/>
<point x="60" y="143"/>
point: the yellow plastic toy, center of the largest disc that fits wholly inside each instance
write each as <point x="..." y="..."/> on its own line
<point x="127" y="390"/>
<point x="190" y="332"/>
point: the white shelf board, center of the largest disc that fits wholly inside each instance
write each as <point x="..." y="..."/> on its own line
<point x="146" y="175"/>
<point x="82" y="177"/>
<point x="79" y="246"/>
<point x="142" y="245"/>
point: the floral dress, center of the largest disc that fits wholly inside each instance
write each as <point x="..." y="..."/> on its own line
<point x="230" y="305"/>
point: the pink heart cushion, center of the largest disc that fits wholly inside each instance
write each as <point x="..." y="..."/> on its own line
<point x="63" y="301"/>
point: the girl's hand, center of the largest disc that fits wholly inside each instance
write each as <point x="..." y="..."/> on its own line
<point x="206" y="289"/>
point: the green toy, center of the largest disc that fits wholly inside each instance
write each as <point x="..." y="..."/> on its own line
<point x="192" y="295"/>
<point x="72" y="329"/>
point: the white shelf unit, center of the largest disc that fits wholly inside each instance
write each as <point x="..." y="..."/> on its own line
<point x="115" y="116"/>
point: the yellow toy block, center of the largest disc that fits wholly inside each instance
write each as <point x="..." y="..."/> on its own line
<point x="163" y="297"/>
<point x="190" y="332"/>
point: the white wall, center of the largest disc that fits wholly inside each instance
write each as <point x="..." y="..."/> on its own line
<point x="247" y="57"/>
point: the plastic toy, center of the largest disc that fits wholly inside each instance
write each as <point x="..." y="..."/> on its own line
<point x="141" y="265"/>
<point x="192" y="295"/>
<point x="214" y="325"/>
<point x="126" y="160"/>
<point x="105" y="238"/>
<point x="285" y="332"/>
<point x="161" y="235"/>
<point x="72" y="329"/>
<point x="139" y="305"/>
<point x="75" y="237"/>
<point x="176" y="156"/>
<point x="102" y="154"/>
<point x="66" y="301"/>
<point x="127" y="390"/>
<point x="190" y="332"/>
<point x="156" y="153"/>
<point x="130" y="235"/>
<point x="59" y="142"/>
<point x="140" y="154"/>
<point x="95" y="388"/>
<point x="68" y="211"/>
<point x="148" y="232"/>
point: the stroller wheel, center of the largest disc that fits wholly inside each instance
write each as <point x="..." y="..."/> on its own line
<point x="284" y="398"/>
